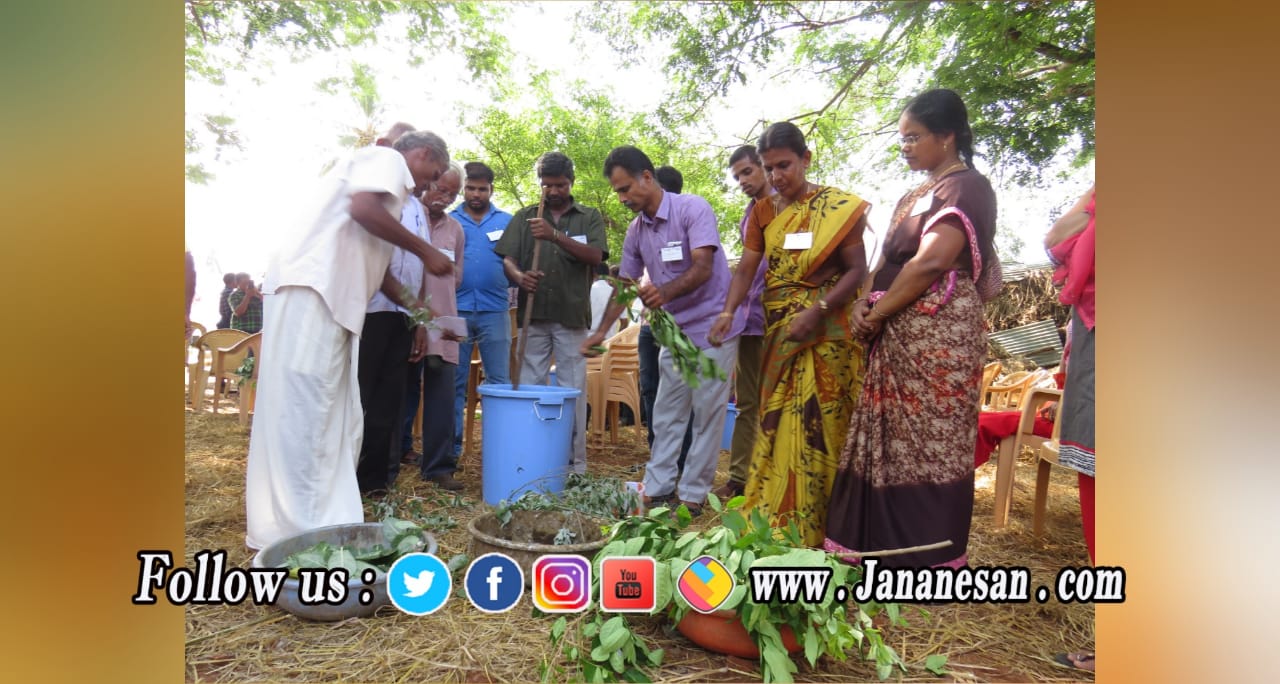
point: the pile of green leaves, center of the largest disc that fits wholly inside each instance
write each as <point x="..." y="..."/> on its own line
<point x="606" y="498"/>
<point x="688" y="360"/>
<point x="399" y="538"/>
<point x="609" y="650"/>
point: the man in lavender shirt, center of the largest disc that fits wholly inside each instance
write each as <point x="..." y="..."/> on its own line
<point x="675" y="238"/>
<point x="745" y="166"/>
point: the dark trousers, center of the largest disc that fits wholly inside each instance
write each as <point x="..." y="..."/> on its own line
<point x="384" y="350"/>
<point x="412" y="395"/>
<point x="437" y="418"/>
<point x="649" y="379"/>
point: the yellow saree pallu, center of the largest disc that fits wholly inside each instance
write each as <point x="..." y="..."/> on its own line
<point x="807" y="388"/>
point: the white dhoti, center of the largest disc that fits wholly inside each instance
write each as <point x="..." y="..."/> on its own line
<point x="307" y="423"/>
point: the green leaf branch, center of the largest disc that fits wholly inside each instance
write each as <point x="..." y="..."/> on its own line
<point x="688" y="359"/>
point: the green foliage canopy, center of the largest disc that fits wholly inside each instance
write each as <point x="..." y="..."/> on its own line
<point x="585" y="124"/>
<point x="1025" y="69"/>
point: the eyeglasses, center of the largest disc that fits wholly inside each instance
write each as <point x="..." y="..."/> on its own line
<point x="909" y="139"/>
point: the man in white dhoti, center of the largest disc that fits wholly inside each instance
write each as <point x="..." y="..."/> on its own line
<point x="308" y="422"/>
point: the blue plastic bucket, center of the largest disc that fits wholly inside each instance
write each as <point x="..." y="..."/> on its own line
<point x="730" y="417"/>
<point x="528" y="435"/>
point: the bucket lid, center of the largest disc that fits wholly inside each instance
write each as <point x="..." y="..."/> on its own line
<point x="529" y="392"/>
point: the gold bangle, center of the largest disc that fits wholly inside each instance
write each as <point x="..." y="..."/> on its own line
<point x="725" y="314"/>
<point x="823" y="306"/>
<point x="881" y="314"/>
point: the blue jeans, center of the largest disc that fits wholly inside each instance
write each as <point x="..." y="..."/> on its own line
<point x="491" y="331"/>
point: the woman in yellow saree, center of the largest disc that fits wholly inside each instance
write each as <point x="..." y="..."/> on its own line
<point x="811" y="236"/>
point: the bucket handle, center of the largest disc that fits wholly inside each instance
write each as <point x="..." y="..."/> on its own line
<point x="548" y="401"/>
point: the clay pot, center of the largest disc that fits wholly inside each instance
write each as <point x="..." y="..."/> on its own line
<point x="723" y="632"/>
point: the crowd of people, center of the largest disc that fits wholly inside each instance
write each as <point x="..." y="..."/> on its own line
<point x="857" y="387"/>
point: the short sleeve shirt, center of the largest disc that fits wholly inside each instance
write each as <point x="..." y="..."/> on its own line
<point x="968" y="191"/>
<point x="564" y="293"/>
<point x="663" y="245"/>
<point x="331" y="253"/>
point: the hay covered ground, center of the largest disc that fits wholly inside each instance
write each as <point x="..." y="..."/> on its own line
<point x="983" y="643"/>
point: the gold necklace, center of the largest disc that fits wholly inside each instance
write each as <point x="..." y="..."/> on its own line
<point x="949" y="169"/>
<point x="907" y="201"/>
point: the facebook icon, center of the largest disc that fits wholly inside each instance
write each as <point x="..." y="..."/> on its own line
<point x="494" y="583"/>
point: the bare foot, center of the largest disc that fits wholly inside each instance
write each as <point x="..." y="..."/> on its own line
<point x="1079" y="661"/>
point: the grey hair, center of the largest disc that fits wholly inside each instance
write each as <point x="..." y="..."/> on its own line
<point x="397" y="129"/>
<point x="414" y="139"/>
<point x="453" y="167"/>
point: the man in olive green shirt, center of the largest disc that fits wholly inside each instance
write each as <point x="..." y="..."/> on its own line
<point x="573" y="242"/>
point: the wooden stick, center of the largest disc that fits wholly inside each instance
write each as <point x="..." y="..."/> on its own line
<point x="528" y="310"/>
<point x="896" y="552"/>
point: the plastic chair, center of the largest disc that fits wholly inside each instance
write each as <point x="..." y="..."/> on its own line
<point x="1048" y="457"/>
<point x="473" y="398"/>
<point x="597" y="387"/>
<point x="989" y="373"/>
<point x="210" y="342"/>
<point x="227" y="360"/>
<point x="621" y="373"/>
<point x="1011" y="446"/>
<point x="249" y="388"/>
<point x="191" y="354"/>
<point x="1006" y="395"/>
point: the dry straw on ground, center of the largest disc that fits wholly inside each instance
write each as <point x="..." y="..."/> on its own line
<point x="995" y="643"/>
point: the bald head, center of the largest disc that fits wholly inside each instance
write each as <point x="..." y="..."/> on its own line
<point x="397" y="129"/>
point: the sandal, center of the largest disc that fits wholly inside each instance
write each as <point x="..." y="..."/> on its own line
<point x="1075" y="661"/>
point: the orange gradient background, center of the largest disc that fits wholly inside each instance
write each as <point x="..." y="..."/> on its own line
<point x="91" y="176"/>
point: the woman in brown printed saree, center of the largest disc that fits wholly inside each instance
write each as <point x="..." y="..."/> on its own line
<point x="812" y="238"/>
<point x="906" y="474"/>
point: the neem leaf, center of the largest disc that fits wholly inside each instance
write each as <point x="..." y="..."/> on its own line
<point x="459" y="561"/>
<point x="936" y="663"/>
<point x="662" y="586"/>
<point x="735" y="597"/>
<point x="613" y="634"/>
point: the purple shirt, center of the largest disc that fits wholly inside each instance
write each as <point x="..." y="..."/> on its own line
<point x="754" y="303"/>
<point x="685" y="223"/>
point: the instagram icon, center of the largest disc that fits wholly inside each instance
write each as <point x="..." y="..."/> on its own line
<point x="561" y="584"/>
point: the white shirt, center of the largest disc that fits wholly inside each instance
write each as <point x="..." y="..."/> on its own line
<point x="331" y="253"/>
<point x="600" y="291"/>
<point x="406" y="267"/>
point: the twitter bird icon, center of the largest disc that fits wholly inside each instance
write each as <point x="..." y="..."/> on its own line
<point x="419" y="584"/>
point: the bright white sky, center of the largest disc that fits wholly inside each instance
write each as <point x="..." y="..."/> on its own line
<point x="290" y="130"/>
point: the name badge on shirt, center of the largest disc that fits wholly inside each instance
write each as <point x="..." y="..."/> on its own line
<point x="448" y="253"/>
<point x="923" y="204"/>
<point x="579" y="238"/>
<point x="493" y="235"/>
<point x="798" y="241"/>
<point x="672" y="252"/>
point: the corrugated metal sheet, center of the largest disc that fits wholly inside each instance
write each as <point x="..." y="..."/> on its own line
<point x="1037" y="341"/>
<point x="1013" y="271"/>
